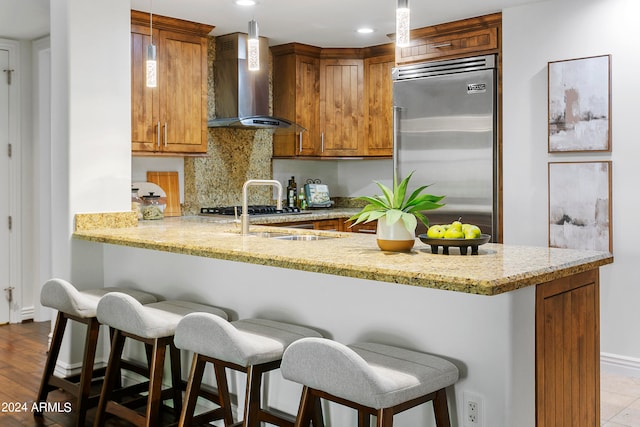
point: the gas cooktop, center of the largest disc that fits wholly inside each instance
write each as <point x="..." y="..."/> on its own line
<point x="253" y="210"/>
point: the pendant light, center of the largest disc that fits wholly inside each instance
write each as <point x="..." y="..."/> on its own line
<point x="402" y="24"/>
<point x="152" y="75"/>
<point x="253" y="47"/>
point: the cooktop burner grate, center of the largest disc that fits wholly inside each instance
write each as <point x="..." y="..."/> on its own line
<point x="253" y="210"/>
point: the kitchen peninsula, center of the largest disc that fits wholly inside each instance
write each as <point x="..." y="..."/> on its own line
<point x="512" y="318"/>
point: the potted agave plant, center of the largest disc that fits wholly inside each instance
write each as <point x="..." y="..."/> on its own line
<point x="397" y="215"/>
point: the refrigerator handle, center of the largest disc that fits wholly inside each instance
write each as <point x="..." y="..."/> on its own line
<point x="396" y="113"/>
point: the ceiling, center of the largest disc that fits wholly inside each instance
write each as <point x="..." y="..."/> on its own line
<point x="324" y="23"/>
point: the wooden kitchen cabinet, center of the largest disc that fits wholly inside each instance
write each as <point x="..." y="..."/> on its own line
<point x="469" y="37"/>
<point x="319" y="224"/>
<point x="368" y="228"/>
<point x="326" y="92"/>
<point x="378" y="117"/>
<point x="568" y="351"/>
<point x="296" y="94"/>
<point x="170" y="119"/>
<point x="341" y="107"/>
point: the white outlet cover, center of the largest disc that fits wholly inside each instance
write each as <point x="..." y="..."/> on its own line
<point x="467" y="398"/>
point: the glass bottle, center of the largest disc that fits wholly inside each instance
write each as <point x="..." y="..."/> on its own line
<point x="292" y="193"/>
<point x="136" y="202"/>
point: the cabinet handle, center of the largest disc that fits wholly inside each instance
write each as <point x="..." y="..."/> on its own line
<point x="165" y="134"/>
<point x="438" y="46"/>
<point x="158" y="133"/>
<point x="300" y="143"/>
<point x="322" y="142"/>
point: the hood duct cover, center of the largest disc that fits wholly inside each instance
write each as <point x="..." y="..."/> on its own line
<point x="242" y="96"/>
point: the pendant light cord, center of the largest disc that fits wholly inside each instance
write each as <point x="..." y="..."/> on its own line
<point x="151" y="21"/>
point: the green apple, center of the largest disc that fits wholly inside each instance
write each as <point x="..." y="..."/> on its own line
<point x="456" y="225"/>
<point x="453" y="233"/>
<point x="435" y="232"/>
<point x="472" y="232"/>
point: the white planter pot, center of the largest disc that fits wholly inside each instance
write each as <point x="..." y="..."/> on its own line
<point x="394" y="237"/>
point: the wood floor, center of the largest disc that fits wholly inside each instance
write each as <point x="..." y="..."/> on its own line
<point x="23" y="352"/>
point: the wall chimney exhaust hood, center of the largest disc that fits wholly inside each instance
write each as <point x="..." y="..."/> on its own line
<point x="242" y="96"/>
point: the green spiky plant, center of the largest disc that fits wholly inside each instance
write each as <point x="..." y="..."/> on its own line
<point x="395" y="207"/>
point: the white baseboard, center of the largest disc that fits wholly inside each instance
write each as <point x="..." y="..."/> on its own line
<point x="27" y="313"/>
<point x="621" y="365"/>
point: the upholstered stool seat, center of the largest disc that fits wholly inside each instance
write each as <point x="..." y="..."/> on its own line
<point x="373" y="378"/>
<point x="153" y="324"/>
<point x="254" y="346"/>
<point x="79" y="306"/>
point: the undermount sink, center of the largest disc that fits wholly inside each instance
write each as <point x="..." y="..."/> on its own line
<point x="289" y="236"/>
<point x="303" y="237"/>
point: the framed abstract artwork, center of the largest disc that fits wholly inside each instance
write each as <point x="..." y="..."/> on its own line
<point x="580" y="205"/>
<point x="580" y="104"/>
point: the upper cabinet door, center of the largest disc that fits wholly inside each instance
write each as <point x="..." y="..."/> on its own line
<point x="171" y="118"/>
<point x="379" y="106"/>
<point x="183" y="84"/>
<point x="144" y="100"/>
<point x="341" y="107"/>
<point x="296" y="79"/>
<point x="307" y="105"/>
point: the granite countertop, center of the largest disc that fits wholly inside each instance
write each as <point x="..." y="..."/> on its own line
<point x="496" y="269"/>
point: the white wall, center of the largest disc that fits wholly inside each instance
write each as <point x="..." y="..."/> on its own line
<point x="557" y="30"/>
<point x="91" y="98"/>
<point x="90" y="132"/>
<point x="346" y="178"/>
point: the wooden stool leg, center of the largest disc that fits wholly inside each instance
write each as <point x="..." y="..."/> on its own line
<point x="318" y="419"/>
<point x="223" y="393"/>
<point x="441" y="409"/>
<point x="86" y="375"/>
<point x="193" y="388"/>
<point x="176" y="378"/>
<point x="252" y="397"/>
<point x="110" y="377"/>
<point x="364" y="420"/>
<point x="306" y="407"/>
<point x="52" y="358"/>
<point x="385" y="417"/>
<point x="155" y="382"/>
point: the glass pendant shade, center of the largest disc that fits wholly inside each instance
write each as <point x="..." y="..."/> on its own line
<point x="402" y="24"/>
<point x="253" y="47"/>
<point x="152" y="74"/>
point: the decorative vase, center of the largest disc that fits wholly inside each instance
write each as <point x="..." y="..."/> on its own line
<point x="394" y="237"/>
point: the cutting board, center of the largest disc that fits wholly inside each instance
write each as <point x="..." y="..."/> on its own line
<point x="168" y="181"/>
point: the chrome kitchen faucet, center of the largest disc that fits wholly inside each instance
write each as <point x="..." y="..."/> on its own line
<point x="244" y="217"/>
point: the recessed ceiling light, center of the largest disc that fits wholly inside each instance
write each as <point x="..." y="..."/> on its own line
<point x="245" y="2"/>
<point x="365" y="30"/>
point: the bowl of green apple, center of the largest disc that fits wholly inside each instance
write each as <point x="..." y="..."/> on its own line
<point x="456" y="234"/>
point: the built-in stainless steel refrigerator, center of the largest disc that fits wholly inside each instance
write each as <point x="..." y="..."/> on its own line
<point x="445" y="130"/>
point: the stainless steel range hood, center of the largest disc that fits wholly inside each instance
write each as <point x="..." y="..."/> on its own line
<point x="242" y="96"/>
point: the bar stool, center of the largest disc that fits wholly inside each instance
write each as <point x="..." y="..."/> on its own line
<point x="374" y="379"/>
<point x="79" y="306"/>
<point x="154" y="325"/>
<point x="253" y="346"/>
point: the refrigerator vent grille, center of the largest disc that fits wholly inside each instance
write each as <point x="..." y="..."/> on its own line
<point x="436" y="68"/>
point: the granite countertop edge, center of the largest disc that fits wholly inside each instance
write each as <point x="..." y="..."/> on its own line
<point x="496" y="270"/>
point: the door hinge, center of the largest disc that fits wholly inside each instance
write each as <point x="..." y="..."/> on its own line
<point x="10" y="222"/>
<point x="9" y="72"/>
<point x="9" y="150"/>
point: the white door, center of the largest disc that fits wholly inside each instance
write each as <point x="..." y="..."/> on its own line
<point x="4" y="187"/>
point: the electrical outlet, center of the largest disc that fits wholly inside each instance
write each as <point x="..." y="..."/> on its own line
<point x="473" y="409"/>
